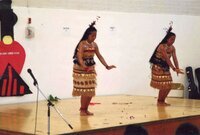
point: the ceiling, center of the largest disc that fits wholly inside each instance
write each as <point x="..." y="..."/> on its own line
<point x="180" y="7"/>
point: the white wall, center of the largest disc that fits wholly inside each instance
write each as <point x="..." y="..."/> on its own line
<point x="129" y="47"/>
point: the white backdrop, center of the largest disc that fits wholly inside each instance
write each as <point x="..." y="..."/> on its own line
<point x="128" y="46"/>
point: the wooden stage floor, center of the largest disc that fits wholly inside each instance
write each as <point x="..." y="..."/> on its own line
<point x="109" y="111"/>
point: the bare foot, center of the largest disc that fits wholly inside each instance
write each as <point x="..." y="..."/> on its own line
<point x="162" y="104"/>
<point x="83" y="113"/>
<point x="89" y="113"/>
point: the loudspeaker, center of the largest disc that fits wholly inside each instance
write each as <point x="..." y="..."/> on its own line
<point x="192" y="88"/>
<point x="197" y="74"/>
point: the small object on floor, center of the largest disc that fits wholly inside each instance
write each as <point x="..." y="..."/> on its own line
<point x="92" y="103"/>
<point x="121" y="103"/>
<point x="51" y="98"/>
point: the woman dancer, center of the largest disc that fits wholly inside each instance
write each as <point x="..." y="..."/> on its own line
<point x="84" y="74"/>
<point x="161" y="77"/>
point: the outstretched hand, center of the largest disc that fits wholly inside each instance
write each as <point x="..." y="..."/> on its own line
<point x="179" y="71"/>
<point x="110" y="67"/>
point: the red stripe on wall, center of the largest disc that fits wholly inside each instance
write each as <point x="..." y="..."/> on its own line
<point x="21" y="89"/>
<point x="9" y="80"/>
<point x="15" y="87"/>
<point x="3" y="92"/>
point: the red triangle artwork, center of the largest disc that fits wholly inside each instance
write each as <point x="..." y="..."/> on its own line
<point x="11" y="84"/>
<point x="12" y="58"/>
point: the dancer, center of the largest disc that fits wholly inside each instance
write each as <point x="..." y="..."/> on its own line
<point x="84" y="74"/>
<point x="161" y="64"/>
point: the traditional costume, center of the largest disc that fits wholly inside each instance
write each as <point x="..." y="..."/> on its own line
<point x="85" y="81"/>
<point x="161" y="76"/>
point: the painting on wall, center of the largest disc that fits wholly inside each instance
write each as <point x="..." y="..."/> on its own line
<point x="12" y="58"/>
<point x="12" y="55"/>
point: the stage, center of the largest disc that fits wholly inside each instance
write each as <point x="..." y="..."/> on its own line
<point x="112" y="114"/>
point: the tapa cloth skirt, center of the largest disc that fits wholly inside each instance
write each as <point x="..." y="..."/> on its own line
<point x="160" y="79"/>
<point x="84" y="83"/>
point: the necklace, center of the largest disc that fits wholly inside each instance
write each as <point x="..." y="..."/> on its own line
<point x="89" y="44"/>
<point x="168" y="48"/>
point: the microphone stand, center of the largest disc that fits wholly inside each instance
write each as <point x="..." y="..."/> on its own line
<point x="49" y="104"/>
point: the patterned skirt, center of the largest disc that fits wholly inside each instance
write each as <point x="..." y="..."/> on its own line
<point x="84" y="83"/>
<point x="160" y="78"/>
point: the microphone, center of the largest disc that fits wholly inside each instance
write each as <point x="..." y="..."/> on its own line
<point x="34" y="80"/>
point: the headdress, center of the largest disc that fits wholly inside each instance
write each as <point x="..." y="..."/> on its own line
<point x="94" y="22"/>
<point x="170" y="27"/>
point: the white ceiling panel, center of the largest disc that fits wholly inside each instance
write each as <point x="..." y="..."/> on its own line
<point x="182" y="7"/>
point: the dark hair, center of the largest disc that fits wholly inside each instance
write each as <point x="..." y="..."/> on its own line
<point x="88" y="31"/>
<point x="170" y="34"/>
<point x="167" y="36"/>
<point x="187" y="129"/>
<point x="135" y="130"/>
